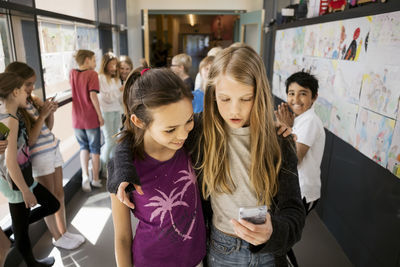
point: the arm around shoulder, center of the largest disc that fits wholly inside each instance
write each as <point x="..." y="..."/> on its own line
<point x="288" y="214"/>
<point x="121" y="168"/>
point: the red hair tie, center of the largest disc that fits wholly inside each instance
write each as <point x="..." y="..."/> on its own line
<point x="143" y="71"/>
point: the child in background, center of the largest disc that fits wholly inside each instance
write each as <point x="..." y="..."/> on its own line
<point x="45" y="154"/>
<point x="180" y="65"/>
<point x="198" y="94"/>
<point x="302" y="91"/>
<point x="243" y="162"/>
<point x="171" y="229"/>
<point x="16" y="182"/>
<point x="125" y="67"/>
<point x="86" y="114"/>
<point x="110" y="104"/>
<point x="212" y="53"/>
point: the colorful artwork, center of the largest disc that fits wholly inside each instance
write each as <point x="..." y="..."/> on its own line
<point x="374" y="135"/>
<point x="356" y="62"/>
<point x="343" y="120"/>
<point x="68" y="37"/>
<point x="290" y="40"/>
<point x="394" y="152"/>
<point x="348" y="80"/>
<point x="385" y="38"/>
<point x="87" y="38"/>
<point x="51" y="37"/>
<point x="323" y="109"/>
<point x="380" y="90"/>
<point x="357" y="33"/>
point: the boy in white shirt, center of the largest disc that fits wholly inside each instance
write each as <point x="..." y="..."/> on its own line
<point x="302" y="91"/>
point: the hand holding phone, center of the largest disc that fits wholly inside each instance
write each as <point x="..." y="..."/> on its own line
<point x="255" y="215"/>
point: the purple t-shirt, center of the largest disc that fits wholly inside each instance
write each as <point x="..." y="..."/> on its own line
<point x="171" y="230"/>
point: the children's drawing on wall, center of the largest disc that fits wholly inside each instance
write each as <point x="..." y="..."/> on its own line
<point x="357" y="38"/>
<point x="325" y="71"/>
<point x="343" y="120"/>
<point x="322" y="108"/>
<point x="374" y="135"/>
<point x="340" y="50"/>
<point x="284" y="66"/>
<point x="380" y="91"/>
<point x="394" y="152"/>
<point x="68" y="37"/>
<point x="53" y="71"/>
<point x="329" y="39"/>
<point x="311" y="38"/>
<point x="385" y="38"/>
<point x="69" y="63"/>
<point x="291" y="41"/>
<point x="348" y="80"/>
<point x="51" y="37"/>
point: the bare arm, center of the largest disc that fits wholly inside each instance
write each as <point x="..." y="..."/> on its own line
<point x="301" y="150"/>
<point x="12" y="164"/>
<point x="122" y="232"/>
<point x="95" y="102"/>
<point x="47" y="109"/>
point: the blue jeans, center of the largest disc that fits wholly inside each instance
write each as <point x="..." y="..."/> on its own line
<point x="112" y="123"/>
<point x="227" y="251"/>
<point x="89" y="139"/>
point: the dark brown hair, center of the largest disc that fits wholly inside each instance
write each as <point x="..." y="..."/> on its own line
<point x="8" y="82"/>
<point x="25" y="72"/>
<point x="152" y="89"/>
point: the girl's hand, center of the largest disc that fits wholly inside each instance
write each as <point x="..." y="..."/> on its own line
<point x="3" y="146"/>
<point x="46" y="109"/>
<point x="124" y="196"/>
<point x="284" y="116"/>
<point x="29" y="199"/>
<point x="54" y="106"/>
<point x="255" y="234"/>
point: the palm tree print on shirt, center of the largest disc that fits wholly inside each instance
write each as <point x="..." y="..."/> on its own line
<point x="166" y="203"/>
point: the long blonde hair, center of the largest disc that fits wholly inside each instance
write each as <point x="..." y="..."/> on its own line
<point x="244" y="65"/>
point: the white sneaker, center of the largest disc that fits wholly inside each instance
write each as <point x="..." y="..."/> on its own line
<point x="97" y="184"/>
<point x="86" y="184"/>
<point x="78" y="237"/>
<point x="66" y="243"/>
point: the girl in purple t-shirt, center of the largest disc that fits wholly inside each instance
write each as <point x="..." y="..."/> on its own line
<point x="171" y="229"/>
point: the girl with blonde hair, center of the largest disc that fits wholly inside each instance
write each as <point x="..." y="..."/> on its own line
<point x="110" y="98"/>
<point x="243" y="163"/>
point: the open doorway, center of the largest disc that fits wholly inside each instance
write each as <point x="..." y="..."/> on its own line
<point x="193" y="34"/>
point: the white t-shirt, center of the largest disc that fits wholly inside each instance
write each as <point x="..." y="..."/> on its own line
<point x="310" y="132"/>
<point x="110" y="97"/>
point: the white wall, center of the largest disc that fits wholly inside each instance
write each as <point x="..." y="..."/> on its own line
<point x="78" y="8"/>
<point x="134" y="8"/>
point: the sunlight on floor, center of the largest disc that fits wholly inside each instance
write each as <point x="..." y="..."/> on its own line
<point x="90" y="220"/>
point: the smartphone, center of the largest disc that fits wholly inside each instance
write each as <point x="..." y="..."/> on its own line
<point x="4" y="131"/>
<point x="53" y="97"/>
<point x="255" y="215"/>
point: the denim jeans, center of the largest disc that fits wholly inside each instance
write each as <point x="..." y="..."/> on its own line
<point x="112" y="123"/>
<point x="227" y="251"/>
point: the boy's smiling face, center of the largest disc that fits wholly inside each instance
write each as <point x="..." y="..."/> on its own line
<point x="299" y="98"/>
